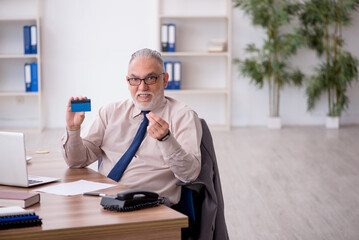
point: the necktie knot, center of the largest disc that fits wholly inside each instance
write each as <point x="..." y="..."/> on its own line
<point x="145" y="119"/>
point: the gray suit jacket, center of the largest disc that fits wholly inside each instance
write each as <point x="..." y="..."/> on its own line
<point x="213" y="223"/>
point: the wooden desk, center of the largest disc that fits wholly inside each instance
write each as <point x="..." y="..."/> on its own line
<point x="80" y="217"/>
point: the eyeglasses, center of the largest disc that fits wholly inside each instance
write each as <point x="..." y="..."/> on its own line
<point x="148" y="80"/>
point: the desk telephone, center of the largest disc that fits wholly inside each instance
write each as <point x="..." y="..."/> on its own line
<point x="131" y="200"/>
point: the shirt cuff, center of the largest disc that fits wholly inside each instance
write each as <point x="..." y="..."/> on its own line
<point x="73" y="133"/>
<point x="169" y="146"/>
<point x="70" y="135"/>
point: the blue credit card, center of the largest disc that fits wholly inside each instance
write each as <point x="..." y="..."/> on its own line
<point x="81" y="105"/>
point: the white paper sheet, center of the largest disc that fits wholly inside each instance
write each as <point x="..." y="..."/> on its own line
<point x="74" y="188"/>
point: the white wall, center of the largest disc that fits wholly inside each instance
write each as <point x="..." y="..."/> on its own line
<point x="86" y="45"/>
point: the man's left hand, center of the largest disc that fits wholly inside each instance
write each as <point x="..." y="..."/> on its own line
<point x="157" y="127"/>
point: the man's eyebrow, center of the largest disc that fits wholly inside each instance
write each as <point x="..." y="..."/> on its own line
<point x="151" y="73"/>
<point x="148" y="74"/>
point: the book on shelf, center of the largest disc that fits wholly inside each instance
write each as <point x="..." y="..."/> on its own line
<point x="30" y="39"/>
<point x="17" y="217"/>
<point x="171" y="37"/>
<point x="177" y="75"/>
<point x="33" y="39"/>
<point x="164" y="38"/>
<point x="168" y="37"/>
<point x="169" y="70"/>
<point x="31" y="77"/>
<point x="173" y="68"/>
<point x="27" y="77"/>
<point x="21" y="199"/>
<point x="34" y="78"/>
<point x="27" y="40"/>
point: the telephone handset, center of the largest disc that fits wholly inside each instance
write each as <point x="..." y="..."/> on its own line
<point x="131" y="200"/>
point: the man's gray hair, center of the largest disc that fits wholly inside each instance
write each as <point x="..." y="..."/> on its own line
<point x="147" y="53"/>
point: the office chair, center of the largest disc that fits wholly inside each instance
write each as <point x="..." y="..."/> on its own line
<point x="202" y="199"/>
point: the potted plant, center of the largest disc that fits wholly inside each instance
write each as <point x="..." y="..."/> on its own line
<point x="269" y="64"/>
<point x="322" y="22"/>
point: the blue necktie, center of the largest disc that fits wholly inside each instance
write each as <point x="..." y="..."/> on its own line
<point x="121" y="165"/>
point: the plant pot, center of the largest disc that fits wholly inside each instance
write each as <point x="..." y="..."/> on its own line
<point x="332" y="122"/>
<point x="274" y="123"/>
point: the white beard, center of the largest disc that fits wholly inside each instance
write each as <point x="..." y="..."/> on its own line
<point x="156" y="99"/>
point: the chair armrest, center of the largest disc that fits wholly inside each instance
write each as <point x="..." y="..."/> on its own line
<point x="195" y="185"/>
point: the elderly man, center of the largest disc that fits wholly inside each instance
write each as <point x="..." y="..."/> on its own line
<point x="166" y="133"/>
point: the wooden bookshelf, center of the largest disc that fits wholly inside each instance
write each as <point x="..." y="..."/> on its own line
<point x="14" y="15"/>
<point x="206" y="76"/>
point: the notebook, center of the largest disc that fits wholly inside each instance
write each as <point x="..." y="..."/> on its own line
<point x="13" y="166"/>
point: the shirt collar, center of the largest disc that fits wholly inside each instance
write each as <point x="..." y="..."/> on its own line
<point x="137" y="112"/>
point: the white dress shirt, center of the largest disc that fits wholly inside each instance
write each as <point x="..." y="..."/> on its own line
<point x="157" y="166"/>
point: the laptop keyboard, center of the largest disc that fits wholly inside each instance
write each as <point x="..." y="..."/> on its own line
<point x="33" y="181"/>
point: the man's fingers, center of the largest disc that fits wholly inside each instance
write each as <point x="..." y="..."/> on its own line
<point x="74" y="98"/>
<point x="153" y="119"/>
<point x="154" y="128"/>
<point x="155" y="132"/>
<point x="74" y="119"/>
<point x="157" y="127"/>
<point x="69" y="102"/>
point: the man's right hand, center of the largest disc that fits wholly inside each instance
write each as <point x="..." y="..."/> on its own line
<point x="74" y="119"/>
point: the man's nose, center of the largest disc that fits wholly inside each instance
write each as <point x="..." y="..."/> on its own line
<point x="143" y="85"/>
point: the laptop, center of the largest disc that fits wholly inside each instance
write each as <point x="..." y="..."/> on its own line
<point x="13" y="166"/>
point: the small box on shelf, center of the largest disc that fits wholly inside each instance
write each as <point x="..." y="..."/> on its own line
<point x="217" y="45"/>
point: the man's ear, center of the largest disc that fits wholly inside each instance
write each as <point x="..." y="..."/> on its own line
<point x="165" y="80"/>
<point x="128" y="84"/>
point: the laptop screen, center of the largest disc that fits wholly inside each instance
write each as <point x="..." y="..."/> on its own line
<point x="13" y="169"/>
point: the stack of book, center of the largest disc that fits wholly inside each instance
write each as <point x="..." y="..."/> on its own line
<point x="17" y="217"/>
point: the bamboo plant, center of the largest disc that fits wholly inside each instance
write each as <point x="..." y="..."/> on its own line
<point x="322" y="22"/>
<point x="270" y="63"/>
